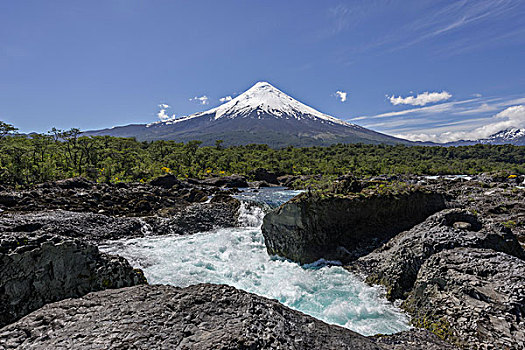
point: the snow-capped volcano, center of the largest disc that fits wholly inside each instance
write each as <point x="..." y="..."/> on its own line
<point x="262" y="114"/>
<point x="511" y="136"/>
<point x="263" y="99"/>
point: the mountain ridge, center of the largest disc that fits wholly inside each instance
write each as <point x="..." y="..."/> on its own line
<point x="513" y="136"/>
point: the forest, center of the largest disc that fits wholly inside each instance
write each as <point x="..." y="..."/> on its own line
<point x="58" y="154"/>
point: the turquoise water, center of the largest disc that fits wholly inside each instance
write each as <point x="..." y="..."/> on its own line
<point x="238" y="257"/>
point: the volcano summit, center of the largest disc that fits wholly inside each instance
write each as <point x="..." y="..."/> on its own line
<point x="263" y="114"/>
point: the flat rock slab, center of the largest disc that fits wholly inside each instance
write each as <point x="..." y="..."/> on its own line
<point x="164" y="317"/>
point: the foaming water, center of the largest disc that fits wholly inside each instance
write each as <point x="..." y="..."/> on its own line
<point x="238" y="257"/>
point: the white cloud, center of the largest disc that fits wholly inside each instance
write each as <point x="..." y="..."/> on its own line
<point x="341" y="95"/>
<point x="225" y="99"/>
<point x="203" y="100"/>
<point x="451" y="107"/>
<point x="511" y="117"/>
<point x="483" y="108"/>
<point x="162" y="113"/>
<point x="420" y="99"/>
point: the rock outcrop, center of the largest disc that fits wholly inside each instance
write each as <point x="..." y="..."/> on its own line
<point x="472" y="297"/>
<point x="40" y="269"/>
<point x="396" y="264"/>
<point x="166" y="181"/>
<point x="197" y="317"/>
<point x="81" y="208"/>
<point x="500" y="200"/>
<point x="120" y="199"/>
<point x="197" y="217"/>
<point x="344" y="227"/>
<point x="261" y="174"/>
<point x="222" y="211"/>
<point x="87" y="226"/>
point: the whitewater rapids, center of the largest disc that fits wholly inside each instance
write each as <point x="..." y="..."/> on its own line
<point x="238" y="257"/>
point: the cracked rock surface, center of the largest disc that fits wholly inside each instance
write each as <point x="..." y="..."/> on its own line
<point x="40" y="269"/>
<point x="477" y="297"/>
<point x="203" y="316"/>
<point x="396" y="264"/>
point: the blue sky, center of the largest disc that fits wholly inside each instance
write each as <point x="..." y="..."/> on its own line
<point x="94" y="64"/>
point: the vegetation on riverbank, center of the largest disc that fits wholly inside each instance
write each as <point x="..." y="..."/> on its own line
<point x="61" y="154"/>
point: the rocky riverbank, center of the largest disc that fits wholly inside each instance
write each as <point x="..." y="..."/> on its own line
<point x="80" y="208"/>
<point x="49" y="234"/>
<point x="449" y="249"/>
<point x="458" y="272"/>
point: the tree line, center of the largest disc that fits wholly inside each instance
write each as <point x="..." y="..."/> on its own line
<point x="58" y="154"/>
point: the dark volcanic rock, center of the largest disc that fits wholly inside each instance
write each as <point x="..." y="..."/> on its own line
<point x="198" y="317"/>
<point x="474" y="297"/>
<point x="258" y="184"/>
<point x="315" y="226"/>
<point x="396" y="263"/>
<point x="199" y="217"/>
<point x="287" y="180"/>
<point x="232" y="181"/>
<point x="95" y="211"/>
<point x="72" y="183"/>
<point x="81" y="195"/>
<point x="94" y="227"/>
<point x="492" y="198"/>
<point x="39" y="269"/>
<point x="414" y="339"/>
<point x="166" y="181"/>
<point x="261" y="174"/>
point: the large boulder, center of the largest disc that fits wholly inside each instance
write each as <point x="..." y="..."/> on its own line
<point x="287" y="180"/>
<point x="473" y="297"/>
<point x="166" y="181"/>
<point x="396" y="264"/>
<point x="164" y="317"/>
<point x="261" y="174"/>
<point x="40" y="269"/>
<point x="342" y="227"/>
<point x="222" y="211"/>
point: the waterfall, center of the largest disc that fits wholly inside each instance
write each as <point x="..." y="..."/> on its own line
<point x="251" y="214"/>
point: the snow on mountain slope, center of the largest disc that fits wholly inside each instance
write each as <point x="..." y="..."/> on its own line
<point x="261" y="115"/>
<point x="508" y="135"/>
<point x="512" y="136"/>
<point x="263" y="99"/>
